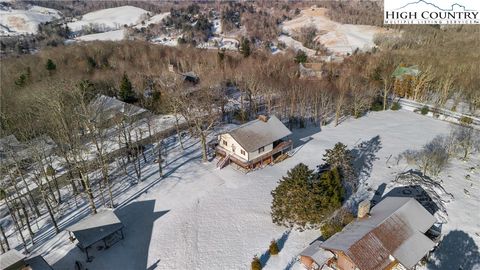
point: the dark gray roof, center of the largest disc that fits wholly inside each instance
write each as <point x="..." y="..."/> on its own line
<point x="96" y="227"/>
<point x="10" y="258"/>
<point x="257" y="133"/>
<point x="109" y="107"/>
<point x="38" y="263"/>
<point x="396" y="227"/>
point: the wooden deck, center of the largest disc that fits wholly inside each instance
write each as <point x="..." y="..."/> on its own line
<point x="264" y="159"/>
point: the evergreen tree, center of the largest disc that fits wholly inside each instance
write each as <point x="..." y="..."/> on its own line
<point x="21" y="81"/>
<point x="256" y="264"/>
<point x="273" y="248"/>
<point x="340" y="157"/>
<point x="50" y="66"/>
<point x="305" y="197"/>
<point x="126" y="93"/>
<point x="245" y="47"/>
<point x="301" y="57"/>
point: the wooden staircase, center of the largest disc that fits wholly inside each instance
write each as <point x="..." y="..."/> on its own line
<point x="223" y="162"/>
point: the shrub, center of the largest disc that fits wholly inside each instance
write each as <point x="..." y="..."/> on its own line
<point x="50" y="170"/>
<point x="301" y="57"/>
<point x="396" y="106"/>
<point x="424" y="110"/>
<point x="336" y="223"/>
<point x="256" y="264"/>
<point x="328" y="229"/>
<point x="377" y="105"/>
<point x="273" y="248"/>
<point x="465" y="120"/>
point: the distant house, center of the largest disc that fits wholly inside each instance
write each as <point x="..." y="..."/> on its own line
<point x="254" y="144"/>
<point x="12" y="150"/>
<point x="390" y="236"/>
<point x="401" y="73"/>
<point x="311" y="70"/>
<point x="103" y="227"/>
<point x="190" y="77"/>
<point x="14" y="260"/>
<point x="108" y="109"/>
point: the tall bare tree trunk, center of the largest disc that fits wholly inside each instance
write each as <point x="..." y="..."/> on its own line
<point x="4" y="237"/>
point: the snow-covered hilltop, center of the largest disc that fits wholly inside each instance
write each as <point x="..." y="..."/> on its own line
<point x="15" y="22"/>
<point x="338" y="38"/>
<point x="109" y="19"/>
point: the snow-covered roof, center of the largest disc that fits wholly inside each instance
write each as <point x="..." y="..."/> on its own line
<point x="317" y="253"/>
<point x="10" y="147"/>
<point x="10" y="258"/>
<point x="258" y="133"/>
<point x="396" y="227"/>
<point x="109" y="107"/>
<point x="96" y="227"/>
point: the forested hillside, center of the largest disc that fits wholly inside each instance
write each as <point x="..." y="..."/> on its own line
<point x="348" y="88"/>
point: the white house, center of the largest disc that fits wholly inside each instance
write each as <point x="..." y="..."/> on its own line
<point x="254" y="144"/>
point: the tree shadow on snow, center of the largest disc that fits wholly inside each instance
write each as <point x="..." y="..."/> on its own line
<point x="417" y="192"/>
<point x="280" y="243"/>
<point x="377" y="196"/>
<point x="282" y="240"/>
<point x="301" y="136"/>
<point x="129" y="253"/>
<point x="456" y="251"/>
<point x="364" y="154"/>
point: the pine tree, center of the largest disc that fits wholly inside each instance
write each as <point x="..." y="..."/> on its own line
<point x="340" y="157"/>
<point x="50" y="66"/>
<point x="126" y="93"/>
<point x="245" y="47"/>
<point x="273" y="248"/>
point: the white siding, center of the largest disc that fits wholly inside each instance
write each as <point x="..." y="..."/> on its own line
<point x="237" y="149"/>
<point x="255" y="154"/>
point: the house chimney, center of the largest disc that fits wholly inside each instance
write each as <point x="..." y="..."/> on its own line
<point x="263" y="118"/>
<point x="363" y="209"/>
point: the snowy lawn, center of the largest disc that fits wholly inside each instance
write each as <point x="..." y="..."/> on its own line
<point x="199" y="217"/>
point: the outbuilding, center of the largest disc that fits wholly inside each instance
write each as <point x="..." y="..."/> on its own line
<point x="104" y="227"/>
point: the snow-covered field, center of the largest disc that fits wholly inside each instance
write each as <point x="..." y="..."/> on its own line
<point x="115" y="35"/>
<point x="109" y="19"/>
<point x="199" y="217"/>
<point x="337" y="37"/>
<point x="17" y="22"/>
<point x="156" y="19"/>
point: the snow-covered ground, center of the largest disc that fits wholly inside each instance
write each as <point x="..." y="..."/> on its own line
<point x="115" y="35"/>
<point x="109" y="19"/>
<point x="337" y="37"/>
<point x="199" y="217"/>
<point x="156" y="19"/>
<point x="166" y="40"/>
<point x="17" y="22"/>
<point x="220" y="43"/>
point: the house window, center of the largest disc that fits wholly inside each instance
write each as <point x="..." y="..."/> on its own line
<point x="242" y="152"/>
<point x="225" y="143"/>
<point x="261" y="149"/>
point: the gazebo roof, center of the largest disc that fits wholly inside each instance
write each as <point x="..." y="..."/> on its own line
<point x="96" y="227"/>
<point x="10" y="258"/>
